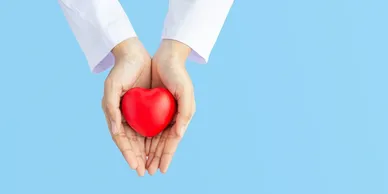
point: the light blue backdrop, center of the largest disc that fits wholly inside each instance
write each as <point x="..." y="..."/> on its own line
<point x="293" y="101"/>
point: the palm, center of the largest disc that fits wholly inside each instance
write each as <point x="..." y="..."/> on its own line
<point x="160" y="149"/>
<point x="137" y="141"/>
<point x="126" y="75"/>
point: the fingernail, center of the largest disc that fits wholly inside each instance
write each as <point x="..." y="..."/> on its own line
<point x="115" y="130"/>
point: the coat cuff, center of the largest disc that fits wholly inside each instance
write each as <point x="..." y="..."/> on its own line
<point x="196" y="23"/>
<point x="98" y="25"/>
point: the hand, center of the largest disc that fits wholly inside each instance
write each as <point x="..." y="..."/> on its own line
<point x="168" y="70"/>
<point x="132" y="69"/>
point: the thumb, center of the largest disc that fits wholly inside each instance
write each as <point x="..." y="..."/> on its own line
<point x="111" y="104"/>
<point x="186" y="109"/>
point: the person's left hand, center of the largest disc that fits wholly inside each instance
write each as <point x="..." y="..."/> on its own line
<point x="132" y="69"/>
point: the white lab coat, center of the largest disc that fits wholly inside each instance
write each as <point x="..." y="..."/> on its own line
<point x="99" y="25"/>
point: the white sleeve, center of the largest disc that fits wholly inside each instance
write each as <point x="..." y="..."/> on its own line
<point x="196" y="23"/>
<point x="98" y="26"/>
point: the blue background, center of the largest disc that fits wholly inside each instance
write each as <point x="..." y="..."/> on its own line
<point x="292" y="101"/>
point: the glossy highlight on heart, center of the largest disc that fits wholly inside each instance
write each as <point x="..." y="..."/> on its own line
<point x="148" y="111"/>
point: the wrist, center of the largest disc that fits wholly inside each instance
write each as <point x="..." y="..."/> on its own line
<point x="126" y="47"/>
<point x="175" y="50"/>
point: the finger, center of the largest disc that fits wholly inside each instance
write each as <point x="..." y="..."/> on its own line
<point x="111" y="101"/>
<point x="148" y="141"/>
<point x="148" y="145"/>
<point x="186" y="109"/>
<point x="154" y="163"/>
<point x="136" y="144"/>
<point x="154" y="145"/>
<point x="107" y="120"/>
<point x="124" y="145"/>
<point x="142" y="146"/>
<point x="169" y="151"/>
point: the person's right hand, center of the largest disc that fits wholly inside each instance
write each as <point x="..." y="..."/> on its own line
<point x="132" y="69"/>
<point x="169" y="71"/>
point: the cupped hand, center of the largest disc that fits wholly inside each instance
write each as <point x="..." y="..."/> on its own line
<point x="132" y="69"/>
<point x="168" y="70"/>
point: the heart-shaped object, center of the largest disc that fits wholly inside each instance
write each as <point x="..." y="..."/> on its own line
<point x="148" y="111"/>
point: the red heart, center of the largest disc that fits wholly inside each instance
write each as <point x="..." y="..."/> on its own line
<point x="148" y="111"/>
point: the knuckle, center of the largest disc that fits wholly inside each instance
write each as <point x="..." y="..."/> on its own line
<point x="157" y="137"/>
<point x="178" y="136"/>
<point x="162" y="139"/>
<point x="126" y="149"/>
<point x="117" y="137"/>
<point x="186" y="117"/>
<point x="109" y="82"/>
<point x="133" y="138"/>
<point x="109" y="108"/>
<point x="170" y="153"/>
<point x="174" y="136"/>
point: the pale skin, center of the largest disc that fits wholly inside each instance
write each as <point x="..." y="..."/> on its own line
<point x="135" y="68"/>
